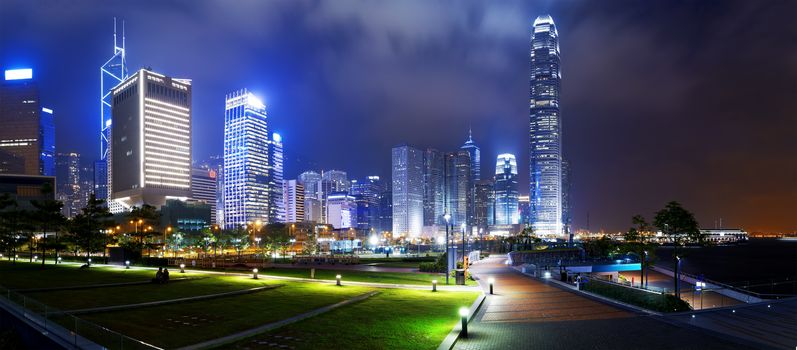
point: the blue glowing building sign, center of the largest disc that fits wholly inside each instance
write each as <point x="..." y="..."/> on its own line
<point x="19" y="74"/>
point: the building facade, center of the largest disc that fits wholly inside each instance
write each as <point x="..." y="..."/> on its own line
<point x="246" y="160"/>
<point x="475" y="158"/>
<point x="150" y="150"/>
<point x="407" y="191"/>
<point x="68" y="183"/>
<point x="366" y="193"/>
<point x="545" y="129"/>
<point x="293" y="198"/>
<point x="311" y="181"/>
<point x="203" y="188"/>
<point x="341" y="210"/>
<point x="27" y="138"/>
<point x="112" y="73"/>
<point x="433" y="188"/>
<point x="506" y="190"/>
<point x="276" y="207"/>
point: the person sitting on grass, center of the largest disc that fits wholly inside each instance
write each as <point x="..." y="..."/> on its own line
<point x="165" y="275"/>
<point x="158" y="276"/>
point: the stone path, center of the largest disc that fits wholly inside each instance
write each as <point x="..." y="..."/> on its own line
<point x="527" y="313"/>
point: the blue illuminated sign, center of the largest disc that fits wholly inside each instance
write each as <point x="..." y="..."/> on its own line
<point x="19" y="74"/>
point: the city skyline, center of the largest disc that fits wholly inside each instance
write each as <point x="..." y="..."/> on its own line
<point x="667" y="174"/>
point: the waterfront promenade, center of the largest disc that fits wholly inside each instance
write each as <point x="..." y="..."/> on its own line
<point x="527" y="313"/>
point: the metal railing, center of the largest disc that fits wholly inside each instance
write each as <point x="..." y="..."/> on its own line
<point x="68" y="329"/>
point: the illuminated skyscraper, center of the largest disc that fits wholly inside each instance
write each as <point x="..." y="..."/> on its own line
<point x="341" y="210"/>
<point x="433" y="188"/>
<point x="112" y="73"/>
<point x="293" y="198"/>
<point x="545" y="128"/>
<point x="27" y="136"/>
<point x="366" y="194"/>
<point x="150" y="149"/>
<point x="276" y="206"/>
<point x="311" y="181"/>
<point x="506" y="190"/>
<point x="246" y="160"/>
<point x="407" y="191"/>
<point x="68" y="184"/>
<point x="203" y="188"/>
<point x="331" y="181"/>
<point x="475" y="158"/>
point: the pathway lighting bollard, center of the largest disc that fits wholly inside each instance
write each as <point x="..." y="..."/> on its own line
<point x="337" y="278"/>
<point x="491" y="281"/>
<point x="89" y="262"/>
<point x="59" y="259"/>
<point x="463" y="312"/>
<point x="182" y="268"/>
<point x="254" y="273"/>
<point x="35" y="257"/>
<point x="127" y="264"/>
<point x="434" y="285"/>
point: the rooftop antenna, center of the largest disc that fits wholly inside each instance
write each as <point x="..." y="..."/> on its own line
<point x="114" y="33"/>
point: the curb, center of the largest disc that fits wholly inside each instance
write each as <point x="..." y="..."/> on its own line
<point x="274" y="325"/>
<point x="453" y="336"/>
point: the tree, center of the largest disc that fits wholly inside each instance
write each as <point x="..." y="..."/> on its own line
<point x="88" y="227"/>
<point x="239" y="239"/>
<point x="47" y="216"/>
<point x="10" y="217"/>
<point x="678" y="224"/>
<point x="277" y="237"/>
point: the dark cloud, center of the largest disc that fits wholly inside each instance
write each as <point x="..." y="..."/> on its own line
<point x="692" y="101"/>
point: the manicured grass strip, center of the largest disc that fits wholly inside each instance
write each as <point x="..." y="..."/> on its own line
<point x="183" y="324"/>
<point x="101" y="285"/>
<point x="26" y="275"/>
<point x="393" y="319"/>
<point x="362" y="276"/>
<point x="173" y="301"/>
<point x="91" y="298"/>
<point x="267" y="327"/>
<point x="647" y="300"/>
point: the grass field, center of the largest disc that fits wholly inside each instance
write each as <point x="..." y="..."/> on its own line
<point x="393" y="319"/>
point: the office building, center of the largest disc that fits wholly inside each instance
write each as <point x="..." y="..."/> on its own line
<point x="407" y="191"/>
<point x="475" y="158"/>
<point x="26" y="188"/>
<point x="293" y="198"/>
<point x="68" y="183"/>
<point x="341" y="210"/>
<point x="112" y="73"/>
<point x="524" y="208"/>
<point x="246" y="160"/>
<point x="433" y="188"/>
<point x="463" y="196"/>
<point x="545" y="129"/>
<point x="276" y="206"/>
<point x="150" y="150"/>
<point x="366" y="193"/>
<point x="203" y="188"/>
<point x="385" y="211"/>
<point x="332" y="181"/>
<point x="311" y="181"/>
<point x="27" y="138"/>
<point x="506" y="190"/>
<point x="483" y="204"/>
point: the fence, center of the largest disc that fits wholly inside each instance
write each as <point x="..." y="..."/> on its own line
<point x="65" y="328"/>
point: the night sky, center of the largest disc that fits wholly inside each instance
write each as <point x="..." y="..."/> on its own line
<point x="694" y="101"/>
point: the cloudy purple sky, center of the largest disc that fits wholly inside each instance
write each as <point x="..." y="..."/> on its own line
<point x="694" y="101"/>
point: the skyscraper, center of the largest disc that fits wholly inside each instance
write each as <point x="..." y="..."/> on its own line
<point x="203" y="188"/>
<point x="483" y="204"/>
<point x="293" y="198"/>
<point x="276" y="206"/>
<point x="545" y="129"/>
<point x="475" y="158"/>
<point x="331" y="181"/>
<point x="68" y="183"/>
<point x="112" y="73"/>
<point x="341" y="210"/>
<point x="366" y="193"/>
<point x="506" y="190"/>
<point x="433" y="187"/>
<point x="386" y="211"/>
<point x="27" y="138"/>
<point x="150" y="149"/>
<point x="464" y="188"/>
<point x="407" y="191"/>
<point x="246" y="160"/>
<point x="311" y="181"/>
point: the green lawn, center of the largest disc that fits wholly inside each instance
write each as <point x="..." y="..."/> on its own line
<point x="393" y="319"/>
<point x="362" y="276"/>
<point x="95" y="297"/>
<point x="33" y="275"/>
<point x="192" y="322"/>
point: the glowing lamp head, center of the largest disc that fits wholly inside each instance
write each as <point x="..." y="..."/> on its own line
<point x="127" y="262"/>
<point x="182" y="266"/>
<point x="463" y="311"/>
<point x="434" y="281"/>
<point x="337" y="276"/>
<point x="254" y="270"/>
<point x="491" y="280"/>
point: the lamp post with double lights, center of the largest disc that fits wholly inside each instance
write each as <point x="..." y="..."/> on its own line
<point x="447" y="217"/>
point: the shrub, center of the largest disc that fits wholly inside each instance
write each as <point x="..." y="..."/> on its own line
<point x="651" y="301"/>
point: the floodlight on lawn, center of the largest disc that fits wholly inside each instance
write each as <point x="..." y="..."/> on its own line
<point x="337" y="278"/>
<point x="434" y="285"/>
<point x="127" y="264"/>
<point x="182" y="268"/>
<point x="254" y="273"/>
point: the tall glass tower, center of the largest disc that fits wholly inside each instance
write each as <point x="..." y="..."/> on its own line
<point x="506" y="190"/>
<point x="545" y="128"/>
<point x="246" y="160"/>
<point x="475" y="158"/>
<point x="407" y="191"/>
<point x="112" y="73"/>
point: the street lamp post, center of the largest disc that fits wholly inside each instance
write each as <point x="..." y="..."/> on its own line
<point x="464" y="252"/>
<point x="447" y="216"/>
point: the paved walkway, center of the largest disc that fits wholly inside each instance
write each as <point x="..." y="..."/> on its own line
<point x="698" y="300"/>
<point x="527" y="313"/>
